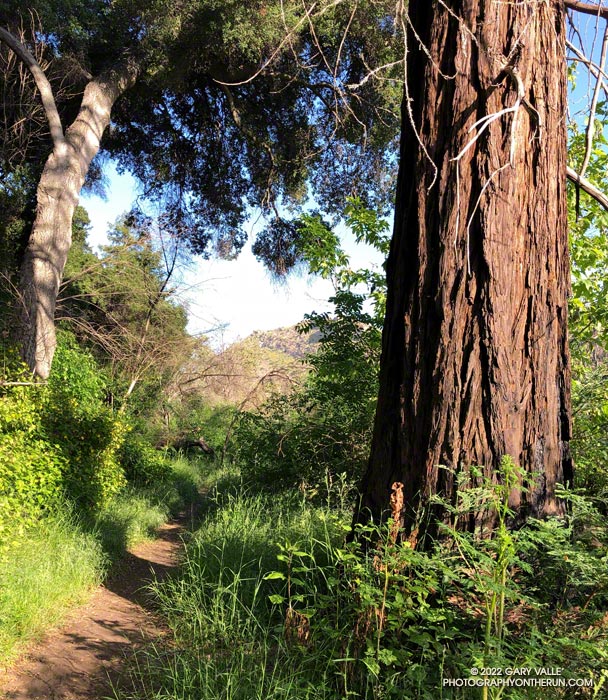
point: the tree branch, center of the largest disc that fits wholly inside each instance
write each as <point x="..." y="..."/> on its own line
<point x="587" y="187"/>
<point x="594" y="69"/>
<point x="2" y="383"/>
<point x="587" y="8"/>
<point x="590" y="131"/>
<point x="42" y="83"/>
<point x="236" y="117"/>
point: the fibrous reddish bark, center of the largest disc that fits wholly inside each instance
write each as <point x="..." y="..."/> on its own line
<point x="475" y="350"/>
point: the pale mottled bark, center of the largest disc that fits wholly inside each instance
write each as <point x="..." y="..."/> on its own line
<point x="57" y="196"/>
<point x="475" y="350"/>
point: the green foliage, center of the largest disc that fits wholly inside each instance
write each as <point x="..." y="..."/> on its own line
<point x="216" y="422"/>
<point x="256" y="142"/>
<point x="49" y="564"/>
<point x="193" y="417"/>
<point x="186" y="484"/>
<point x="62" y="439"/>
<point x="32" y="468"/>
<point x="326" y="426"/>
<point x="16" y="207"/>
<point x="130" y="517"/>
<point x="76" y="418"/>
<point x="31" y="480"/>
<point x="219" y="609"/>
<point x="588" y="318"/>
<point x="273" y="603"/>
<point x="143" y="465"/>
<point x="138" y="510"/>
<point x="120" y="305"/>
<point x="590" y="414"/>
<point x="208" y="141"/>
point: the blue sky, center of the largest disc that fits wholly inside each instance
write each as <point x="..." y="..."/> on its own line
<point x="230" y="298"/>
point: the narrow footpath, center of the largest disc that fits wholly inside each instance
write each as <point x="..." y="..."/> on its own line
<point x="84" y="658"/>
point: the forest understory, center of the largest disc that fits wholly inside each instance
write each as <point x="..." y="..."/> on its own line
<point x="402" y="498"/>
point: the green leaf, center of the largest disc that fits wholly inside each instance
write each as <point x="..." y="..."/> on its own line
<point x="273" y="575"/>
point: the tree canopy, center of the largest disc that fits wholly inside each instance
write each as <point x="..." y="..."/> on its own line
<point x="235" y="106"/>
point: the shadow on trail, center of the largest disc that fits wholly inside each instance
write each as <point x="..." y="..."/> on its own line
<point x="157" y="561"/>
<point x="83" y="659"/>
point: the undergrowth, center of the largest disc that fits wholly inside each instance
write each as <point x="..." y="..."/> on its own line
<point x="137" y="511"/>
<point x="51" y="568"/>
<point x="55" y="562"/>
<point x="273" y="603"/>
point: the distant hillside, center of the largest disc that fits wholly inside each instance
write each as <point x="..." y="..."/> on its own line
<point x="244" y="374"/>
<point x="286" y="340"/>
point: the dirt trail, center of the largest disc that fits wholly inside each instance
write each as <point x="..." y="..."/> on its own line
<point x="81" y="659"/>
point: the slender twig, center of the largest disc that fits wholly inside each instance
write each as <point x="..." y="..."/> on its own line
<point x="22" y="383"/>
<point x="308" y="12"/>
<point x="590" y="131"/>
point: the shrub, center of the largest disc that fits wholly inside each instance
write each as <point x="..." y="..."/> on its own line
<point x="143" y="465"/>
<point x="31" y="480"/>
<point x="32" y="469"/>
<point x="327" y="620"/>
<point x="590" y="411"/>
<point x="76" y="418"/>
<point x="324" y="428"/>
<point x="215" y="422"/>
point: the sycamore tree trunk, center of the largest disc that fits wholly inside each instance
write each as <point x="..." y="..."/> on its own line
<point x="475" y="359"/>
<point x="57" y="196"/>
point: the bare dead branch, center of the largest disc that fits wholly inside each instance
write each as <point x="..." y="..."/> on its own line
<point x="587" y="187"/>
<point x="590" y="131"/>
<point x="594" y="69"/>
<point x="42" y="83"/>
<point x="272" y="374"/>
<point x="587" y="8"/>
<point x="22" y="383"/>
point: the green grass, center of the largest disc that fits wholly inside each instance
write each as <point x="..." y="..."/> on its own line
<point x="59" y="560"/>
<point x="229" y="634"/>
<point x="53" y="567"/>
<point x="135" y="513"/>
<point x="131" y="517"/>
<point x="385" y="626"/>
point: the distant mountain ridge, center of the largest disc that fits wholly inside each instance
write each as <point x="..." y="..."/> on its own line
<point x="287" y="340"/>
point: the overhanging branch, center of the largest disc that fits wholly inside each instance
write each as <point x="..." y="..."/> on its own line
<point x="587" y="8"/>
<point x="42" y="83"/>
<point x="587" y="187"/>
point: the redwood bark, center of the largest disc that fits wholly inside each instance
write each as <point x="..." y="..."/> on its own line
<point x="475" y="361"/>
<point x="57" y="196"/>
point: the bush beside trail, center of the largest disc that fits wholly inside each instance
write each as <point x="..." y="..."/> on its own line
<point x="78" y="485"/>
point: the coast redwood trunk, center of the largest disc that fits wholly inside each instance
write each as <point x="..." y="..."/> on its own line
<point x="475" y="350"/>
